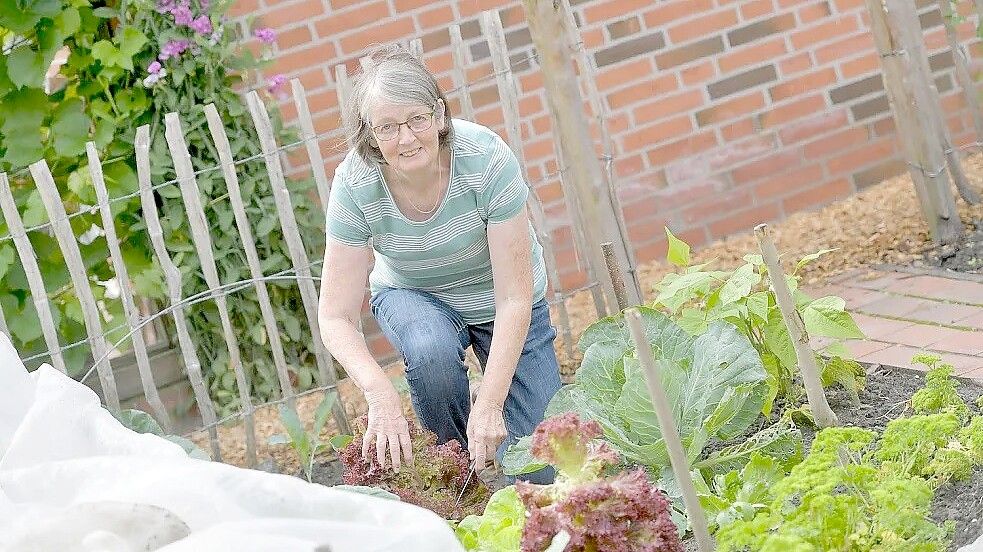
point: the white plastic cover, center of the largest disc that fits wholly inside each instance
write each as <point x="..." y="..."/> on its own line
<point x="72" y="478"/>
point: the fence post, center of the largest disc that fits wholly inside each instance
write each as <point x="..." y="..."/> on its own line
<point x="309" y="136"/>
<point x="458" y="75"/>
<point x="552" y="37"/>
<point x="298" y="254"/>
<point x="69" y="246"/>
<point x="911" y="103"/>
<point x="35" y="282"/>
<point x="172" y="276"/>
<point x="126" y="294"/>
<point x="961" y="61"/>
<point x="491" y="26"/>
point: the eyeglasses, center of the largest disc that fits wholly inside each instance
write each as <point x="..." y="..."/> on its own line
<point x="416" y="123"/>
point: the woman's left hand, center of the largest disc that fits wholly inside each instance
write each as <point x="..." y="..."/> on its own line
<point x="486" y="431"/>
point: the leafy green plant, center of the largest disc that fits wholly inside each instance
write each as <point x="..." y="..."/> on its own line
<point x="715" y="383"/>
<point x="839" y="498"/>
<point x="740" y="494"/>
<point x="696" y="297"/>
<point x="309" y="446"/>
<point x="129" y="62"/>
<point x="141" y="422"/>
<point x="498" y="528"/>
<point x="939" y="393"/>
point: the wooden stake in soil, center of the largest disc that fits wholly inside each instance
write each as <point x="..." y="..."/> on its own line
<point x="69" y="246"/>
<point x="35" y="282"/>
<point x="615" y="272"/>
<point x="126" y="293"/>
<point x="912" y="108"/>
<point x="670" y="433"/>
<point x="824" y="415"/>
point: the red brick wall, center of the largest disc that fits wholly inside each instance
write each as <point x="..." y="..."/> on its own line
<point x="724" y="113"/>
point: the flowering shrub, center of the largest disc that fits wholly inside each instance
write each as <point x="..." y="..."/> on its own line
<point x="128" y="66"/>
<point x="433" y="481"/>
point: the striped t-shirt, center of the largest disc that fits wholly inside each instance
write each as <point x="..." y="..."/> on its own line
<point x="446" y="255"/>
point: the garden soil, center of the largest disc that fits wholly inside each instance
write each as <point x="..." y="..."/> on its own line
<point x="892" y="232"/>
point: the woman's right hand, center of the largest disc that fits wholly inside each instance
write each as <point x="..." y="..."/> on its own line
<point x="387" y="428"/>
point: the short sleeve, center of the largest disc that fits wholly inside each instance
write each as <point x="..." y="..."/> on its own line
<point x="505" y="191"/>
<point x="345" y="220"/>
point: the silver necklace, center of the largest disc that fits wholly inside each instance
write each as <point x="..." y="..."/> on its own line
<point x="440" y="178"/>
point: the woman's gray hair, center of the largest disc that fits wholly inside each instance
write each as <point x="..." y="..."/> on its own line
<point x="396" y="76"/>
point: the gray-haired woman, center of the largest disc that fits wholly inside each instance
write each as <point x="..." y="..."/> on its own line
<point x="441" y="202"/>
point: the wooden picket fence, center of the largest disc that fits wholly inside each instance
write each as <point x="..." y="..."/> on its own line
<point x="104" y="353"/>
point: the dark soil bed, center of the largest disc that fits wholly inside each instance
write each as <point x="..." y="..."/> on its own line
<point x="966" y="255"/>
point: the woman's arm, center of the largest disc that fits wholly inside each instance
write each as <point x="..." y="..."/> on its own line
<point x="510" y="249"/>
<point x="343" y="278"/>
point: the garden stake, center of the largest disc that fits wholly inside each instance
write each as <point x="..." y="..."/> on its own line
<point x="616" y="279"/>
<point x="670" y="434"/>
<point x="823" y="414"/>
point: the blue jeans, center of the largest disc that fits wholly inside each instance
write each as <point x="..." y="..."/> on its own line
<point x="433" y="338"/>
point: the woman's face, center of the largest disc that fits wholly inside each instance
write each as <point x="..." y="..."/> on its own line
<point x="408" y="151"/>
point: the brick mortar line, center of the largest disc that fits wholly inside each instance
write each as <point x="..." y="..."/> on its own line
<point x="919" y="322"/>
<point x="922" y="348"/>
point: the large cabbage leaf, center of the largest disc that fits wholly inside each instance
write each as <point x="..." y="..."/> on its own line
<point x="715" y="383"/>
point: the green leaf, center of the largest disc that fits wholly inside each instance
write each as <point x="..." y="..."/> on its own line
<point x="21" y="16"/>
<point x="24" y="111"/>
<point x="130" y="43"/>
<point x="366" y="490"/>
<point x="781" y="441"/>
<point x="7" y="255"/>
<point x="811" y="257"/>
<point x="70" y="128"/>
<point x="339" y="442"/>
<point x="757" y="305"/>
<point x="80" y="182"/>
<point x="105" y="13"/>
<point x="826" y="317"/>
<point x="295" y="429"/>
<point x="678" y="250"/>
<point x="68" y="21"/>
<point x="189" y="447"/>
<point x="25" y="67"/>
<point x="139" y="421"/>
<point x="606" y="329"/>
<point x="518" y="458"/>
<point x="739" y="285"/>
<point x="25" y="325"/>
<point x="105" y="53"/>
<point x="324" y="411"/>
<point x="778" y="341"/>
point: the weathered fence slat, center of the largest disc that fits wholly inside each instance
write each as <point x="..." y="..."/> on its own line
<point x="309" y="135"/>
<point x="910" y="101"/>
<point x="459" y="54"/>
<point x="587" y="73"/>
<point x="291" y="234"/>
<point x="69" y="246"/>
<point x="343" y="88"/>
<point x="172" y="276"/>
<point x="416" y="48"/>
<point x="961" y="62"/>
<point x="126" y="292"/>
<point x="221" y="140"/>
<point x="491" y="25"/>
<point x="35" y="282"/>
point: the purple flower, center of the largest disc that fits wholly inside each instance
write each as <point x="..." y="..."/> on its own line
<point x="266" y="35"/>
<point x="202" y="25"/>
<point x="154" y="68"/>
<point x="173" y="48"/>
<point x="276" y="86"/>
<point x="165" y="6"/>
<point x="182" y="14"/>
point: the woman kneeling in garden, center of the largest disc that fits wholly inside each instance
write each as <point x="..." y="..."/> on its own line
<point x="441" y="202"/>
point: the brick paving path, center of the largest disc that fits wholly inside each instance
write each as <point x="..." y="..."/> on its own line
<point x="905" y="311"/>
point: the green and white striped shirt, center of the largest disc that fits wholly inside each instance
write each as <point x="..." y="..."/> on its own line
<point x="446" y="255"/>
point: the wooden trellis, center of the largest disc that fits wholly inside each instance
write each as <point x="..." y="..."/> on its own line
<point x="102" y="350"/>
